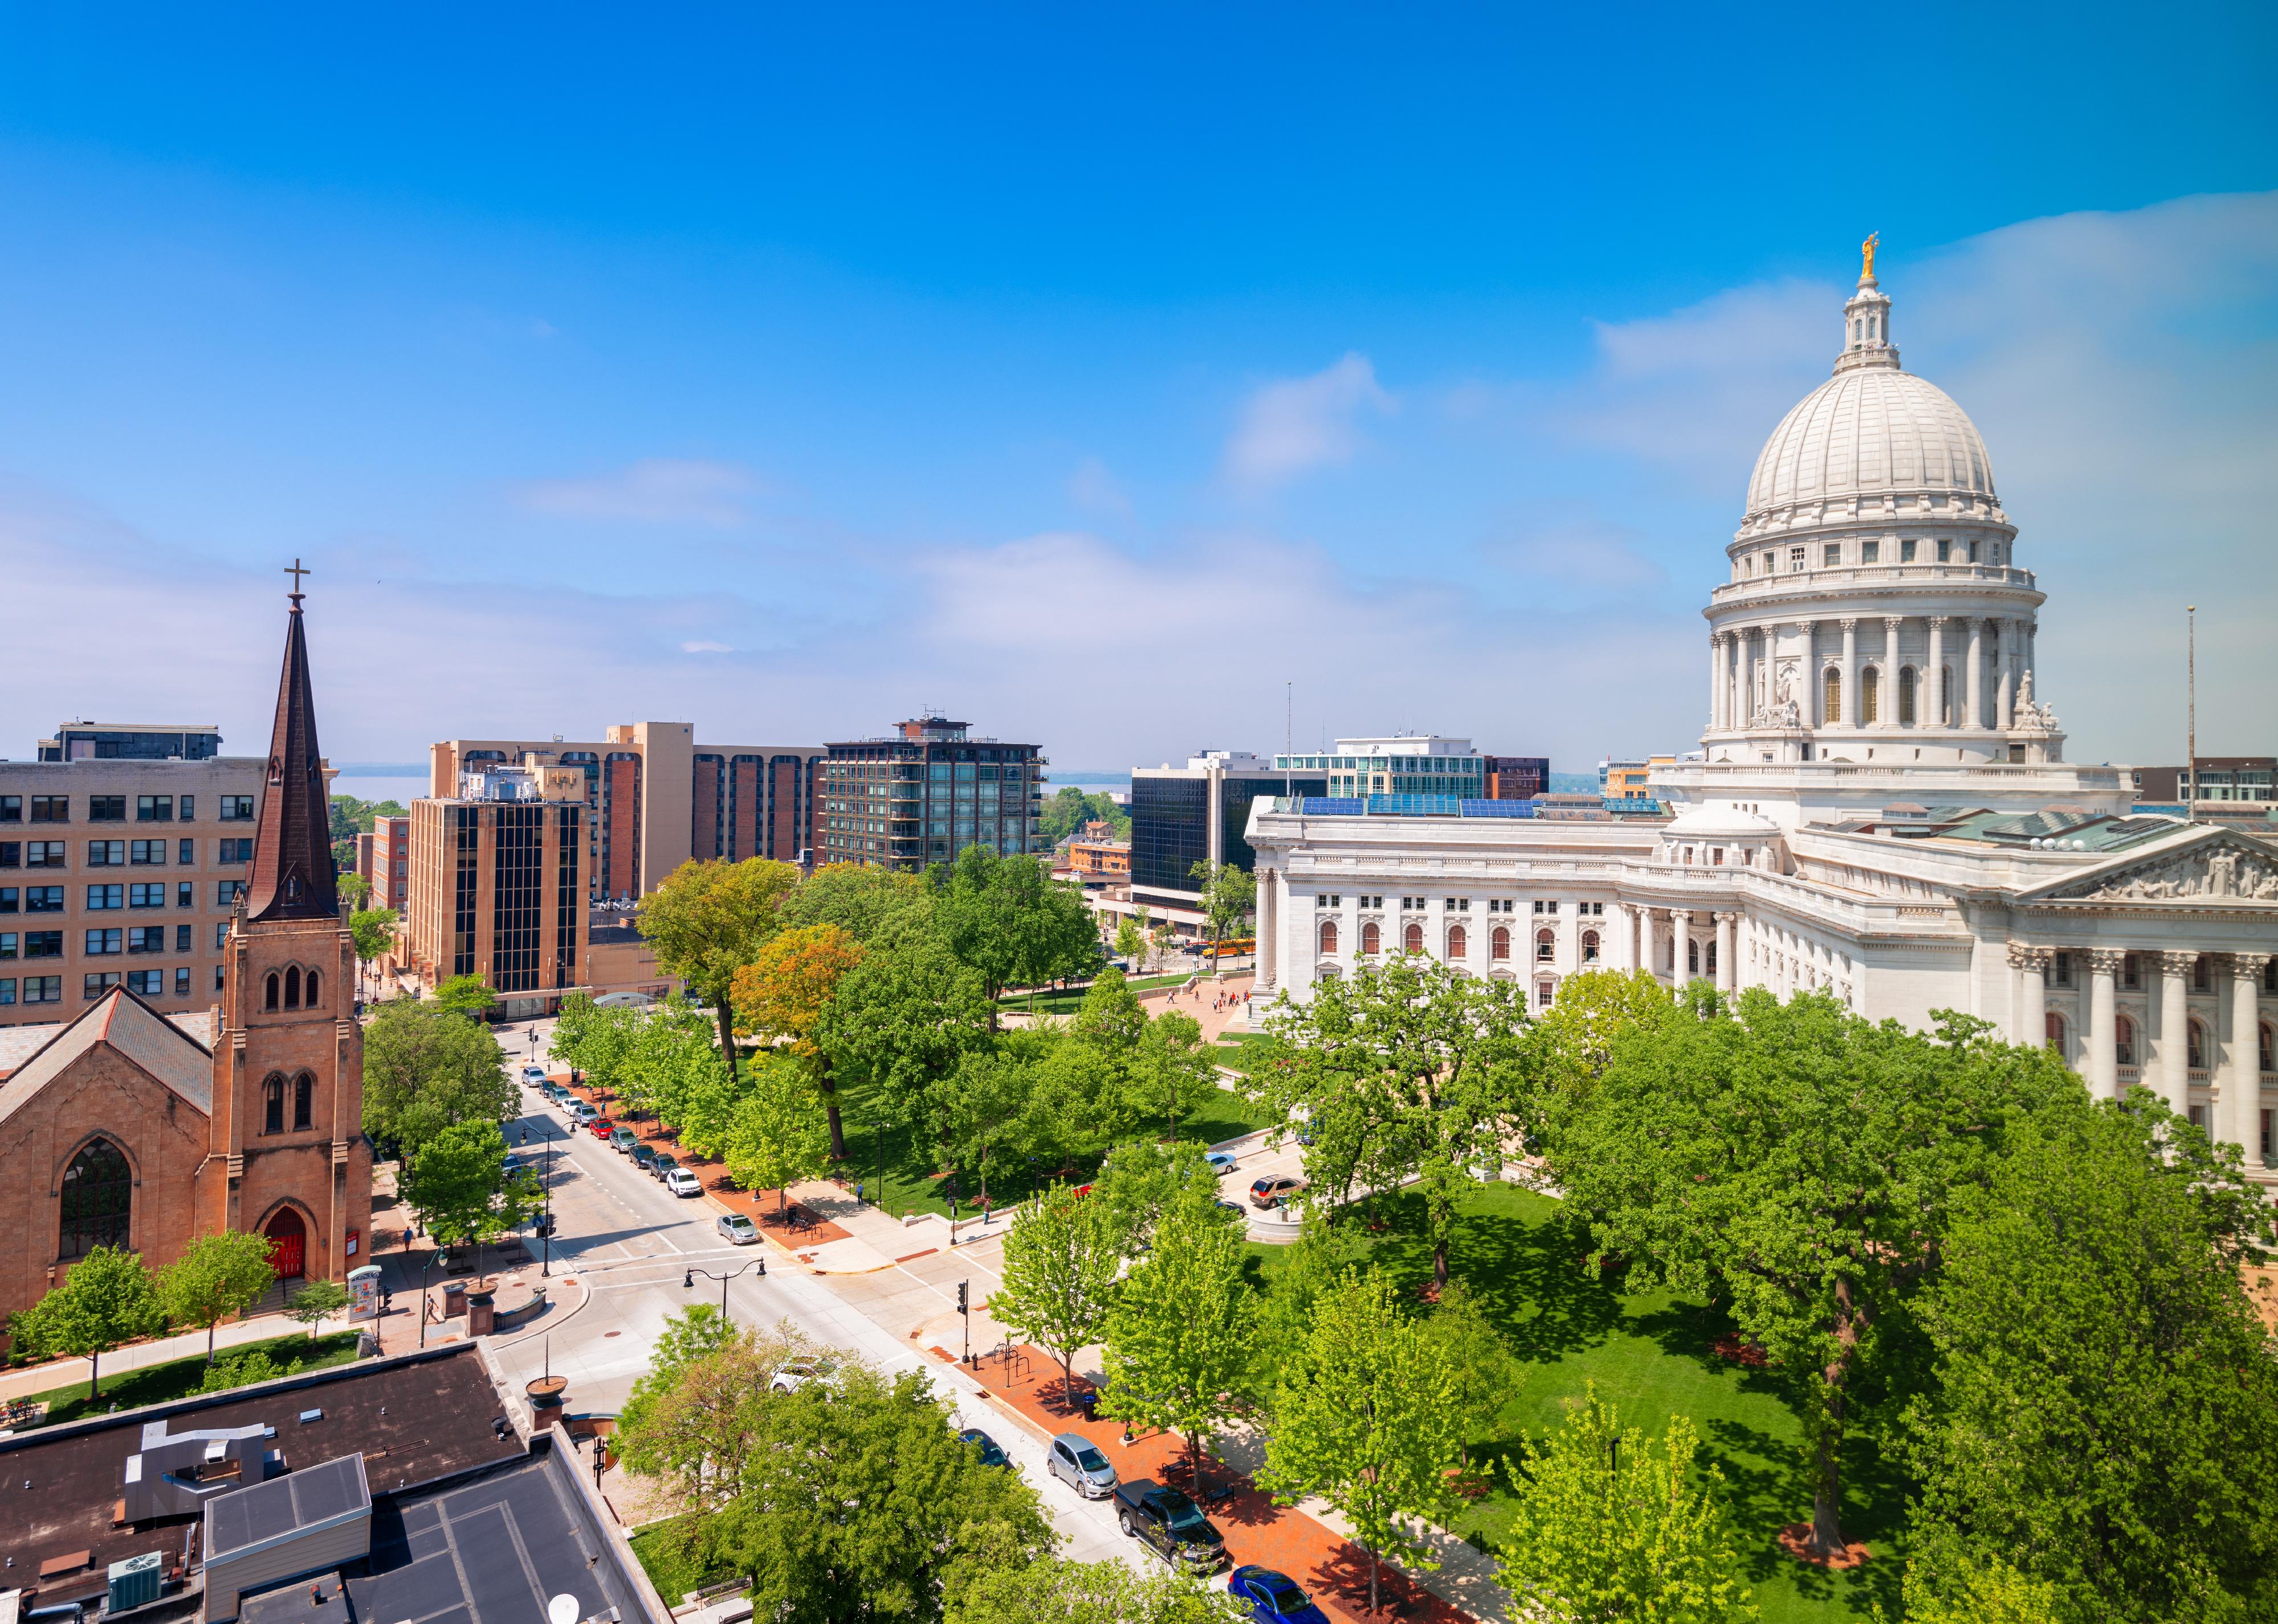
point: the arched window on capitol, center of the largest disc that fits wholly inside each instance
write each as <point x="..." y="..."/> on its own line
<point x="1459" y="942"/>
<point x="1328" y="935"/>
<point x="1546" y="947"/>
<point x="1589" y="947"/>
<point x="1372" y="938"/>
<point x="2195" y="1046"/>
<point x="1412" y="940"/>
<point x="1905" y="695"/>
<point x="2123" y="1040"/>
<point x="2052" y="1032"/>
<point x="1869" y="688"/>
<point x="1830" y="705"/>
<point x="1499" y="942"/>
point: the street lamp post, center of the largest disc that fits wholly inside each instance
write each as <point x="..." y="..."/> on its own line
<point x="688" y="1280"/>
<point x="424" y="1267"/>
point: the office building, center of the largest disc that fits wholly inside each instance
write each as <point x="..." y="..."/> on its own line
<point x="1198" y="813"/>
<point x="2225" y="786"/>
<point x="115" y="741"/>
<point x="656" y="798"/>
<point x="498" y="884"/>
<point x="119" y="868"/>
<point x="1517" y="777"/>
<point x="925" y="792"/>
<point x="1403" y="763"/>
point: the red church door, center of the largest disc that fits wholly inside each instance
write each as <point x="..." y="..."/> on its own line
<point x="290" y="1236"/>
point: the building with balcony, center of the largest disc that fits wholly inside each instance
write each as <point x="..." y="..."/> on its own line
<point x="1881" y="809"/>
<point x="655" y="799"/>
<point x="924" y="793"/>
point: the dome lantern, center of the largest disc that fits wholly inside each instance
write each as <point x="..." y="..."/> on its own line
<point x="1867" y="321"/>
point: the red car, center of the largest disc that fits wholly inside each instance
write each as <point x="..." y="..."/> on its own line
<point x="602" y="1128"/>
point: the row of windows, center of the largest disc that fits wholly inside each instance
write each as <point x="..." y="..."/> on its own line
<point x="124" y="894"/>
<point x="49" y="989"/>
<point x="1870" y="551"/>
<point x="128" y="938"/>
<point x="284" y="990"/>
<point x="2065" y="967"/>
<point x="1547" y="906"/>
<point x="1458" y="942"/>
<point x="112" y="808"/>
<point x="2126" y="1042"/>
<point x="120" y="853"/>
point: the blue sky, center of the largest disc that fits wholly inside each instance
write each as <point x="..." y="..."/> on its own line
<point x="1093" y="377"/>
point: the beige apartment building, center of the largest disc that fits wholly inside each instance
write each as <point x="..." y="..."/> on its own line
<point x="498" y="881"/>
<point x="655" y="797"/>
<point x="122" y="853"/>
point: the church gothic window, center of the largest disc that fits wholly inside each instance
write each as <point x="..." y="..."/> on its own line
<point x="275" y="983"/>
<point x="273" y="1105"/>
<point x="98" y="1193"/>
<point x="311" y="999"/>
<point x="304" y="1089"/>
<point x="293" y="988"/>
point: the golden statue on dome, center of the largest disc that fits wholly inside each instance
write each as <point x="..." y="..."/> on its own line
<point x="1867" y="253"/>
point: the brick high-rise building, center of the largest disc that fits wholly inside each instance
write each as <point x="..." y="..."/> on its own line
<point x="384" y="858"/>
<point x="657" y="798"/>
<point x="925" y="792"/>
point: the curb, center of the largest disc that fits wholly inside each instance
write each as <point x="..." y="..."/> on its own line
<point x="545" y="1326"/>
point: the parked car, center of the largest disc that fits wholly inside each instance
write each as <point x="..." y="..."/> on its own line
<point x="663" y="1165"/>
<point x="1219" y="1162"/>
<point x="991" y="1454"/>
<point x="1273" y="1597"/>
<point x="1232" y="1207"/>
<point x="1072" y="1459"/>
<point x="1170" y="1525"/>
<point x="644" y="1158"/>
<point x="739" y="1230"/>
<point x="600" y="1128"/>
<point x="579" y="1112"/>
<point x="533" y="1074"/>
<point x="798" y="1374"/>
<point x="1272" y="1187"/>
<point x="623" y="1139"/>
<point x="682" y="1183"/>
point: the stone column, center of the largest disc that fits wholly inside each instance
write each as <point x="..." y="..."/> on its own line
<point x="2174" y="1031"/>
<point x="1736" y="714"/>
<point x="1680" y="931"/>
<point x="1715" y="680"/>
<point x="1728" y="945"/>
<point x="1934" y="675"/>
<point x="2006" y="661"/>
<point x="2103" y="1068"/>
<point x="1641" y="938"/>
<point x="2242" y="1079"/>
<point x="1269" y="931"/>
<point x="1886" y="700"/>
<point x="1973" y="693"/>
<point x="1850" y="708"/>
<point x="2029" y="995"/>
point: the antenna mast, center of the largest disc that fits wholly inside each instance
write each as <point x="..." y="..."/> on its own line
<point x="2192" y="711"/>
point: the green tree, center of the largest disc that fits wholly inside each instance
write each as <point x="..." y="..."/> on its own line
<point x="316" y="1302"/>
<point x="902" y="1019"/>
<point x="594" y="1040"/>
<point x="1408" y="1070"/>
<point x="1607" y="1526"/>
<point x="668" y="1056"/>
<point x="1140" y="1181"/>
<point x="861" y="1502"/>
<point x="873" y="905"/>
<point x="1110" y="1017"/>
<point x="1070" y="1084"/>
<point x="1060" y="1264"/>
<point x="2103" y="1415"/>
<point x="1012" y="923"/>
<point x="1182" y="1335"/>
<point x="1228" y="893"/>
<point x="1168" y="1076"/>
<point x="425" y="1068"/>
<point x="696" y="1333"/>
<point x="241" y="1370"/>
<point x="692" y="1428"/>
<point x="107" y="1299"/>
<point x="353" y="890"/>
<point x="458" y="1184"/>
<point x="217" y="1277"/>
<point x="1485" y="1375"/>
<point x="983" y="1105"/>
<point x="706" y="920"/>
<point x="373" y="931"/>
<point x="1130" y="938"/>
<point x="1070" y="809"/>
<point x="781" y="995"/>
<point x="1160" y="941"/>
<point x="778" y="1134"/>
<point x="1987" y="1592"/>
<point x="1800" y="1164"/>
<point x="1575" y="1034"/>
<point x="1365" y="1419"/>
<point x="1053" y="1591"/>
<point x="464" y="995"/>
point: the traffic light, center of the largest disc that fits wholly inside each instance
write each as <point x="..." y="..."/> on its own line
<point x="961" y="1287"/>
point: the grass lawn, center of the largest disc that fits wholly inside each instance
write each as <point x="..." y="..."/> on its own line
<point x="667" y="1561"/>
<point x="180" y="1378"/>
<point x="1649" y="1353"/>
<point x="1064" y="1002"/>
<point x="1248" y="1052"/>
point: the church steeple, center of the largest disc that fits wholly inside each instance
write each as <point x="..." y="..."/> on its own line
<point x="291" y="876"/>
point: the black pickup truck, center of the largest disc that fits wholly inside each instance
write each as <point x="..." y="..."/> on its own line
<point x="1169" y="1524"/>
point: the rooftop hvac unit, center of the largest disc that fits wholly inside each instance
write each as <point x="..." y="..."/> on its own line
<point x="134" y="1582"/>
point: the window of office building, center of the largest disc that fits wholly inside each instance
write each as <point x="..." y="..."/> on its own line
<point x="153" y="809"/>
<point x="517" y="896"/>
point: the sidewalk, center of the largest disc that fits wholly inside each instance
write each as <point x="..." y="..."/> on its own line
<point x="158" y="1351"/>
<point x="1299" y="1544"/>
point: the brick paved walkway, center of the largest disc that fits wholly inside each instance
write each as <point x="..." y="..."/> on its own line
<point x="1331" y="1568"/>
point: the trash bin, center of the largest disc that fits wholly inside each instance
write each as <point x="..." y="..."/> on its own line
<point x="1088" y="1404"/>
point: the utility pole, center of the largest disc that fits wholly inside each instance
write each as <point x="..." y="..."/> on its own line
<point x="2191" y="710"/>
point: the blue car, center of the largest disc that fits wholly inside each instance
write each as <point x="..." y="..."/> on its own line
<point x="1273" y="1597"/>
<point x="1219" y="1162"/>
<point x="991" y="1454"/>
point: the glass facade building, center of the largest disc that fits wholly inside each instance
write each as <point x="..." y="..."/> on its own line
<point x="925" y="794"/>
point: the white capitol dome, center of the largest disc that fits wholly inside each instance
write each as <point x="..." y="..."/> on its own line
<point x="1871" y="431"/>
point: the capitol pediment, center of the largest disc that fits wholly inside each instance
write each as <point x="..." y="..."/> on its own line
<point x="2217" y="867"/>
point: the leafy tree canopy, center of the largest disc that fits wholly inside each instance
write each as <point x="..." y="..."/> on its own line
<point x="778" y="1135"/>
<point x="108" y="1299"/>
<point x="316" y="1302"/>
<point x="1052" y="1591"/>
<point x="424" y="1068"/>
<point x="1015" y="924"/>
<point x="1060" y="1266"/>
<point x="217" y="1277"/>
<point x="873" y="905"/>
<point x="1070" y="808"/>
<point x="373" y="930"/>
<point x="708" y="919"/>
<point x="1182" y="1335"/>
<point x="464" y="995"/>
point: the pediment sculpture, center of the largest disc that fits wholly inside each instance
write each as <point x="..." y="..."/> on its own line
<point x="2221" y="873"/>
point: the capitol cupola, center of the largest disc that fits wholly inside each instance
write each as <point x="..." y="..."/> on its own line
<point x="1867" y="320"/>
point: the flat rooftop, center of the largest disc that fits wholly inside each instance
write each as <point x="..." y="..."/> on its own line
<point x="414" y="1419"/>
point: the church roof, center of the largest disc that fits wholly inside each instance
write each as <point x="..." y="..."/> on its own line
<point x="158" y="1045"/>
<point x="292" y="877"/>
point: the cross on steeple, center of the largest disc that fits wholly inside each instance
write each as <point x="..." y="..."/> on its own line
<point x="296" y="572"/>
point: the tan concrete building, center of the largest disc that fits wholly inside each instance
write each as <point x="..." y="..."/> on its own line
<point x="498" y="884"/>
<point x="119" y="869"/>
<point x="128" y="1128"/>
<point x="657" y="798"/>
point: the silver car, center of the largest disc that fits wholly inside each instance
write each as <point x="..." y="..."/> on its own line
<point x="737" y="1228"/>
<point x="1075" y="1459"/>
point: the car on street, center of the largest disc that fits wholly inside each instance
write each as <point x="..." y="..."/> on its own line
<point x="1076" y="1461"/>
<point x="1273" y="1187"/>
<point x="1170" y="1525"/>
<point x="798" y="1374"/>
<point x="1273" y="1597"/>
<point x="621" y="1139"/>
<point x="533" y="1074"/>
<point x="682" y="1183"/>
<point x="991" y="1454"/>
<point x="602" y="1128"/>
<point x="1233" y="1206"/>
<point x="579" y="1112"/>
<point x="664" y="1164"/>
<point x="644" y="1158"/>
<point x="1219" y="1162"/>
<point x="736" y="1229"/>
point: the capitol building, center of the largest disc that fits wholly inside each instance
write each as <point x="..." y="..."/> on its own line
<point x="1880" y="805"/>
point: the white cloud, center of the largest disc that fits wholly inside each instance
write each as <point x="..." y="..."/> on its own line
<point x="1301" y="423"/>
<point x="1094" y="489"/>
<point x="1593" y="557"/>
<point x="657" y="490"/>
<point x="705" y="648"/>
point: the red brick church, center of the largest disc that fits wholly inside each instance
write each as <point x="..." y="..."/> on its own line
<point x="128" y="1128"/>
